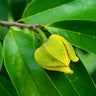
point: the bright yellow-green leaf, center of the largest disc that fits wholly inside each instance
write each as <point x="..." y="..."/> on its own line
<point x="55" y="54"/>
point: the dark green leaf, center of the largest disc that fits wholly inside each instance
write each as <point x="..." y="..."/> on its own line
<point x="6" y="88"/>
<point x="62" y="83"/>
<point x="79" y="80"/>
<point x="17" y="7"/>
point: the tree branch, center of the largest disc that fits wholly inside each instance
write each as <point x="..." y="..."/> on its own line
<point x="29" y="26"/>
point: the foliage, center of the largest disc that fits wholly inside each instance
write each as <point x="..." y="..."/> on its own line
<point x="72" y="19"/>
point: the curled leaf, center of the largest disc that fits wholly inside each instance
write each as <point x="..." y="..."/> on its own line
<point x="55" y="54"/>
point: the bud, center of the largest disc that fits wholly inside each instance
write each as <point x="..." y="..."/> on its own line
<point x="55" y="54"/>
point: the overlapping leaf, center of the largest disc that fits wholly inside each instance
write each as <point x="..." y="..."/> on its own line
<point x="38" y="6"/>
<point x="27" y="75"/>
<point x="28" y="78"/>
<point x="74" y="10"/>
<point x="79" y="33"/>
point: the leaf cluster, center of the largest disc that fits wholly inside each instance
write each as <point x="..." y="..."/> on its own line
<point x="20" y="75"/>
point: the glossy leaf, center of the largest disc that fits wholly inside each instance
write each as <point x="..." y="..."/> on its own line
<point x="62" y="83"/>
<point x="78" y="33"/>
<point x="81" y="83"/>
<point x="1" y="56"/>
<point x="23" y="70"/>
<point x="6" y="88"/>
<point x="75" y="10"/>
<point x="79" y="80"/>
<point x="21" y="66"/>
<point x="39" y="75"/>
<point x="36" y="6"/>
